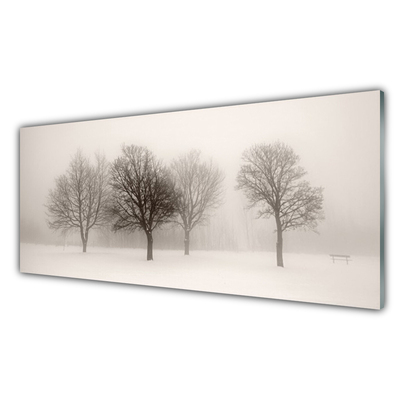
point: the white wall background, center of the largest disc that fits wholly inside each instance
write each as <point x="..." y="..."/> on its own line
<point x="69" y="339"/>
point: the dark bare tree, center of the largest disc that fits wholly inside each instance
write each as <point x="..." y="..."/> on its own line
<point x="271" y="178"/>
<point x="144" y="197"/>
<point x="199" y="188"/>
<point x="79" y="200"/>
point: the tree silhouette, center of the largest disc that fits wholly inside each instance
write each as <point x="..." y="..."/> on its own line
<point x="199" y="188"/>
<point x="143" y="193"/>
<point x="271" y="178"/>
<point x="79" y="200"/>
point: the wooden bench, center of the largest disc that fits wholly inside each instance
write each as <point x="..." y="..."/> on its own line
<point x="340" y="257"/>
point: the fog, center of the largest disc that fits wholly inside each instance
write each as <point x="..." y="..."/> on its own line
<point x="336" y="137"/>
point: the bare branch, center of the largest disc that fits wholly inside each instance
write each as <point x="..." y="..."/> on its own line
<point x="79" y="200"/>
<point x="199" y="187"/>
<point x="199" y="190"/>
<point x="143" y="191"/>
<point x="271" y="179"/>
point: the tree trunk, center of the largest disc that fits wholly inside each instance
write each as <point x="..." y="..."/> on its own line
<point x="84" y="241"/>
<point x="149" y="246"/>
<point x="279" y="243"/>
<point x="187" y="232"/>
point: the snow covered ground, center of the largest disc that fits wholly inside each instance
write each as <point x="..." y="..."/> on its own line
<point x="309" y="278"/>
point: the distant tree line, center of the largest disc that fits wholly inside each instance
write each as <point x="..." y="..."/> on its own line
<point x="137" y="192"/>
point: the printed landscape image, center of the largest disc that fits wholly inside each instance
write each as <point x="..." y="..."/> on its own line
<point x="277" y="200"/>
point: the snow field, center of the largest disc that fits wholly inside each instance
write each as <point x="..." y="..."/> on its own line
<point x="306" y="277"/>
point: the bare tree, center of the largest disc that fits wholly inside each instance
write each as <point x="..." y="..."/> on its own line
<point x="79" y="200"/>
<point x="271" y="178"/>
<point x="199" y="188"/>
<point x="143" y="193"/>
